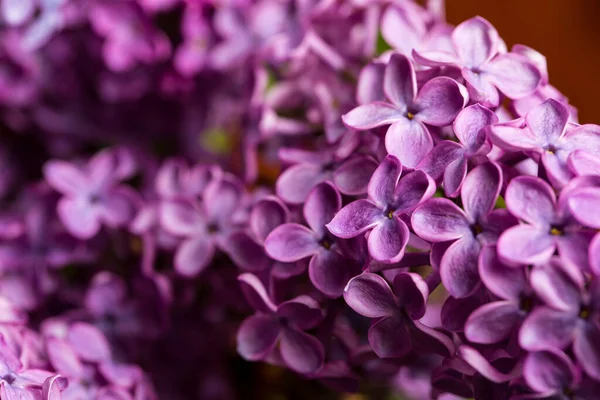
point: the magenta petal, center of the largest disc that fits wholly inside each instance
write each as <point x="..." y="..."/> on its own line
<point x="79" y="217"/>
<point x="302" y="312"/>
<point x="481" y="189"/>
<point x="370" y="83"/>
<point x="330" y="272"/>
<point x="193" y="255"/>
<point x="548" y="371"/>
<point x="388" y="240"/>
<point x="435" y="58"/>
<point x="594" y="254"/>
<point x="412" y="293"/>
<point x="352" y="177"/>
<point x="548" y="121"/>
<point x="454" y="177"/>
<point x="354" y="219"/>
<point x="476" y="41"/>
<point x="428" y="340"/>
<point x="399" y="81"/>
<point x="301" y="352"/>
<point x="117" y="208"/>
<point x="587" y="349"/>
<point x="390" y="338"/>
<point x="245" y="252"/>
<point x="511" y="137"/>
<point x="413" y="189"/>
<point x="372" y="115"/>
<point x="502" y="280"/>
<point x="480" y="89"/>
<point x="89" y="342"/>
<point x="181" y="218"/>
<point x="438" y="159"/>
<point x="291" y="242"/>
<point x="257" y="336"/>
<point x="63" y="358"/>
<point x="440" y="220"/>
<point x="440" y="100"/>
<point x="582" y="162"/>
<point x="65" y="177"/>
<point x="408" y="140"/>
<point x="53" y="386"/>
<point x="222" y="198"/>
<point x="323" y="202"/>
<point x="484" y="367"/>
<point x="384" y="180"/>
<point x="296" y="182"/>
<point x="493" y="322"/>
<point x="370" y="295"/>
<point x="557" y="286"/>
<point x="513" y="75"/>
<point x="255" y="293"/>
<point x="525" y="244"/>
<point x="546" y="328"/>
<point x="584" y="205"/>
<point x="469" y="124"/>
<point x="458" y="268"/>
<point x="267" y="215"/>
<point x="531" y="199"/>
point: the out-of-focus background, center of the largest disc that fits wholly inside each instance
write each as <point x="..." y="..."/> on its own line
<point x="567" y="32"/>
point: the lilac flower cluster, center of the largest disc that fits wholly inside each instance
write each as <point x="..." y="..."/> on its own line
<point x="353" y="190"/>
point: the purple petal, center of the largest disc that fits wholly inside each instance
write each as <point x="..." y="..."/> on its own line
<point x="480" y="89"/>
<point x="512" y="137"/>
<point x="428" y="340"/>
<point x="79" y="217"/>
<point x="296" y="182"/>
<point x="493" y="322"/>
<point x="301" y="352"/>
<point x="546" y="328"/>
<point x="245" y="252"/>
<point x="513" y="75"/>
<point x="594" y="254"/>
<point x="435" y="58"/>
<point x="53" y="386"/>
<point x="267" y="215"/>
<point x="584" y="205"/>
<point x="557" y="285"/>
<point x="440" y="100"/>
<point x="291" y="242"/>
<point x="302" y="312"/>
<point x="454" y="176"/>
<point x="370" y="83"/>
<point x="582" y="162"/>
<point x="193" y="255"/>
<point x="65" y="177"/>
<point x="89" y="342"/>
<point x="585" y="137"/>
<point x="16" y="12"/>
<point x="117" y="207"/>
<point x="469" y="124"/>
<point x="384" y="180"/>
<point x="323" y="202"/>
<point x="531" y="199"/>
<point x="63" y="358"/>
<point x="256" y="294"/>
<point x="372" y="115"/>
<point x="352" y="177"/>
<point x="458" y="268"/>
<point x="181" y="218"/>
<point x="370" y="295"/>
<point x="354" y="219"/>
<point x="222" y="198"/>
<point x="484" y="367"/>
<point x="500" y="279"/>
<point x="330" y="272"/>
<point x="548" y="121"/>
<point x="257" y="336"/>
<point x="399" y="81"/>
<point x="587" y="349"/>
<point x="440" y="220"/>
<point x="438" y="159"/>
<point x="412" y="190"/>
<point x="389" y="338"/>
<point x="388" y="240"/>
<point x="548" y="371"/>
<point x="480" y="190"/>
<point x="412" y="293"/>
<point x="408" y="140"/>
<point x="475" y="41"/>
<point x="525" y="244"/>
<point x="455" y="311"/>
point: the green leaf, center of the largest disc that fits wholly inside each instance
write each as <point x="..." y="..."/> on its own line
<point x="382" y="46"/>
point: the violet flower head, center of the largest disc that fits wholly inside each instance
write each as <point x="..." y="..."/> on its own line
<point x="549" y="226"/>
<point x="397" y="330"/>
<point x="92" y="194"/>
<point x="436" y="103"/>
<point x="282" y="325"/>
<point x="486" y="70"/>
<point x="328" y="270"/>
<point x="546" y="131"/>
<point x="440" y="220"/>
<point x="391" y="199"/>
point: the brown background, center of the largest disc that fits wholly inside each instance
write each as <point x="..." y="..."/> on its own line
<point x="567" y="32"/>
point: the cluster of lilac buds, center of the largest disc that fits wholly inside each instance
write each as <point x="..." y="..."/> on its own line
<point x="355" y="191"/>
